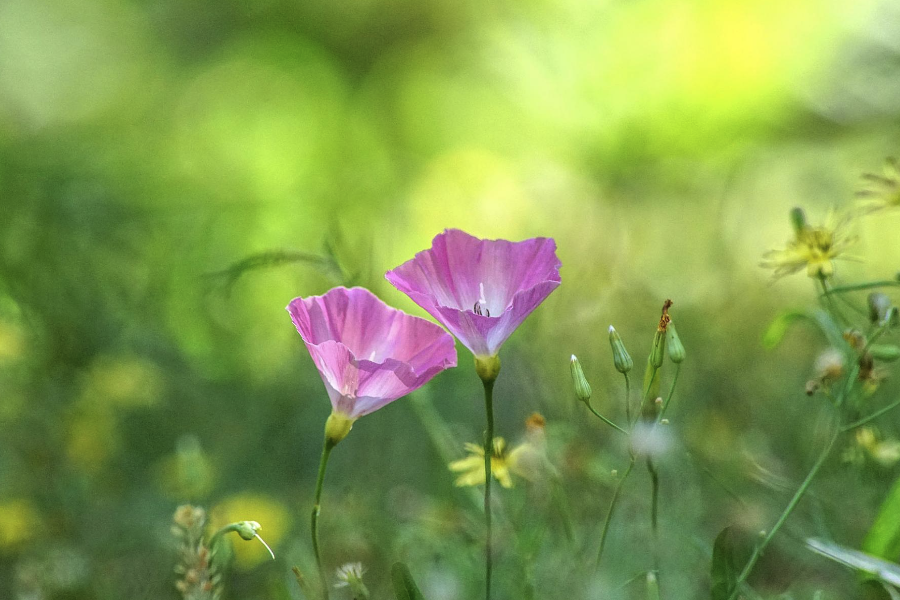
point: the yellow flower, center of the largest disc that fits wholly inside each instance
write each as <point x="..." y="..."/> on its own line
<point x="884" y="452"/>
<point x="880" y="192"/>
<point x="813" y="248"/>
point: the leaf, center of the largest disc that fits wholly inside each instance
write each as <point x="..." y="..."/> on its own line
<point x="404" y="586"/>
<point x="883" y="539"/>
<point x="724" y="571"/>
<point x="885" y="571"/>
<point x="778" y="328"/>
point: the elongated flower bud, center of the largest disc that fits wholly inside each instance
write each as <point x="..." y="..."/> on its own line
<point x="582" y="387"/>
<point x="337" y="427"/>
<point x="879" y="307"/>
<point x="885" y="352"/>
<point x="673" y="344"/>
<point x="658" y="352"/>
<point x="621" y="358"/>
<point x="798" y="220"/>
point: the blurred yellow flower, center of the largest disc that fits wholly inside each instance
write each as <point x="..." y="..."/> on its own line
<point x="525" y="460"/>
<point x="869" y="444"/>
<point x="128" y="382"/>
<point x="273" y="516"/>
<point x="92" y="438"/>
<point x="813" y="248"/>
<point x="880" y="192"/>
<point x="19" y="521"/>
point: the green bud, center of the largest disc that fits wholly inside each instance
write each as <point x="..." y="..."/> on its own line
<point x="247" y="529"/>
<point x="582" y="387"/>
<point x="885" y="352"/>
<point x="659" y="349"/>
<point x="487" y="367"/>
<point x="337" y="427"/>
<point x="621" y="358"/>
<point x="673" y="343"/>
<point x="798" y="220"/>
<point x="879" y="307"/>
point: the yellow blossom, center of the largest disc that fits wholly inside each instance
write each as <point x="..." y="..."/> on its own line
<point x="880" y="192"/>
<point x="813" y="248"/>
<point x="524" y="460"/>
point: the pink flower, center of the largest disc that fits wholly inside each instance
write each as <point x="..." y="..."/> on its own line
<point x="480" y="290"/>
<point x="368" y="353"/>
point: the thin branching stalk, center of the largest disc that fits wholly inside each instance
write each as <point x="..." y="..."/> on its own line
<point x="871" y="417"/>
<point x="670" y="394"/>
<point x="795" y="500"/>
<point x="612" y="508"/>
<point x="488" y="453"/>
<point x="314" y="520"/>
<point x="607" y="421"/>
<point x="654" y="511"/>
<point x="628" y="399"/>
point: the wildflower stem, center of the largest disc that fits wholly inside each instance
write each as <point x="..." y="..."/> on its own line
<point x="795" y="500"/>
<point x="654" y="510"/>
<point x="607" y="421"/>
<point x="857" y="287"/>
<point x="829" y="301"/>
<point x="871" y="417"/>
<point x="627" y="399"/>
<point x="612" y="507"/>
<point x="488" y="453"/>
<point x="326" y="452"/>
<point x="671" y="392"/>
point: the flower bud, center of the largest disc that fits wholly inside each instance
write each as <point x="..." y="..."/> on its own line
<point x="673" y="343"/>
<point x="658" y="351"/>
<point x="247" y="529"/>
<point x="798" y="220"/>
<point x="879" y="307"/>
<point x="621" y="358"/>
<point x="582" y="387"/>
<point x="337" y="427"/>
<point x="487" y="367"/>
<point x="884" y="352"/>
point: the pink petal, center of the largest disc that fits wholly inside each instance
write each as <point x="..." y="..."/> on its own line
<point x="367" y="353"/>
<point x="506" y="280"/>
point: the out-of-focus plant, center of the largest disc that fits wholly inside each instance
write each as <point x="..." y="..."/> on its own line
<point x="848" y="372"/>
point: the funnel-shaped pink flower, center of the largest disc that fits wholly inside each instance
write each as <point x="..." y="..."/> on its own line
<point x="480" y="290"/>
<point x="368" y="353"/>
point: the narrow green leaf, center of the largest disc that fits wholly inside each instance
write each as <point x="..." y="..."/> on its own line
<point x="885" y="571"/>
<point x="405" y="587"/>
<point x="724" y="571"/>
<point x="883" y="539"/>
<point x="778" y="328"/>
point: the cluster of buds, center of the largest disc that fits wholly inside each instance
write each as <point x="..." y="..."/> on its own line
<point x="197" y="577"/>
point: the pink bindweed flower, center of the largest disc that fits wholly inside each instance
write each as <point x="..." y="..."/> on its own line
<point x="481" y="290"/>
<point x="368" y="353"/>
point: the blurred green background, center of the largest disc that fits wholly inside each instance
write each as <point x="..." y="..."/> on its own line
<point x="147" y="147"/>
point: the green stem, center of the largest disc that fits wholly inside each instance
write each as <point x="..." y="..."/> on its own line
<point x="488" y="453"/>
<point x="612" y="507"/>
<point x="654" y="510"/>
<point x="627" y="399"/>
<point x="864" y="286"/>
<point x="871" y="417"/>
<point x="670" y="394"/>
<point x="607" y="421"/>
<point x="829" y="301"/>
<point x="326" y="452"/>
<point x="798" y="495"/>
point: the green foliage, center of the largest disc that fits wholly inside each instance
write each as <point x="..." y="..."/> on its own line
<point x="883" y="538"/>
<point x="405" y="587"/>
<point x="725" y="570"/>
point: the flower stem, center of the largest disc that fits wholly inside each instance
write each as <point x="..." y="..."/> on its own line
<point x="798" y="495"/>
<point x="326" y="452"/>
<point x="612" y="507"/>
<point x="871" y="417"/>
<point x="488" y="453"/>
<point x="607" y="421"/>
<point x="654" y="511"/>
<point x="670" y="394"/>
<point x="627" y="399"/>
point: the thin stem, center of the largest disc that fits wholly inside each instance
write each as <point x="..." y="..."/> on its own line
<point x="488" y="453"/>
<point x="612" y="507"/>
<point x="670" y="394"/>
<point x="627" y="399"/>
<point x="857" y="287"/>
<point x="607" y="421"/>
<point x="654" y="510"/>
<point x="829" y="301"/>
<point x="326" y="452"/>
<point x="871" y="417"/>
<point x="798" y="495"/>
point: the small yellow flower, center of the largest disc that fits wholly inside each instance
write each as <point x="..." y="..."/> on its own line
<point x="813" y="248"/>
<point x="504" y="462"/>
<point x="884" y="452"/>
<point x="880" y="192"/>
